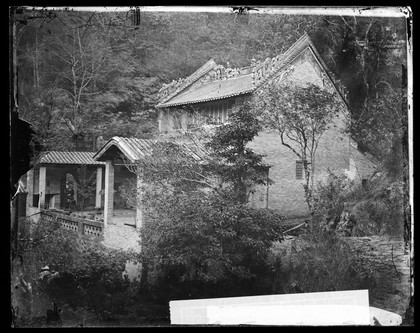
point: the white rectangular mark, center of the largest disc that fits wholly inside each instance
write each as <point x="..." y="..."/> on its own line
<point x="308" y="309"/>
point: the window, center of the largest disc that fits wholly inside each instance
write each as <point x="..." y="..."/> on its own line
<point x="218" y="112"/>
<point x="299" y="170"/>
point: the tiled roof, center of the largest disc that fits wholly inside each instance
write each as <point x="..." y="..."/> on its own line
<point x="214" y="90"/>
<point x="192" y="78"/>
<point x="233" y="86"/>
<point x="135" y="149"/>
<point x="243" y="84"/>
<point x="69" y="157"/>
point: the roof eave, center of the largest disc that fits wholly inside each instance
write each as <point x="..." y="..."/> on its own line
<point x="114" y="141"/>
<point x="165" y="105"/>
<point x="98" y="163"/>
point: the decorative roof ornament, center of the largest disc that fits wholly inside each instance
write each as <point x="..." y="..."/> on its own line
<point x="254" y="76"/>
<point x="264" y="70"/>
<point x="169" y="90"/>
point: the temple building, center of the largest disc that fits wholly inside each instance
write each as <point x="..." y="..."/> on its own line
<point x="214" y="90"/>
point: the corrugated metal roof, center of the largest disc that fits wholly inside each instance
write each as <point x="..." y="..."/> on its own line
<point x="69" y="157"/>
<point x="135" y="149"/>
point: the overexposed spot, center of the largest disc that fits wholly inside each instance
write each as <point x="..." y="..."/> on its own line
<point x="132" y="270"/>
<point x="309" y="309"/>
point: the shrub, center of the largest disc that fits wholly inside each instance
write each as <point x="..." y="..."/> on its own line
<point x="200" y="242"/>
<point x="376" y="207"/>
<point x="330" y="197"/>
<point x="200" y="236"/>
<point x="379" y="216"/>
<point x="81" y="272"/>
<point x="324" y="262"/>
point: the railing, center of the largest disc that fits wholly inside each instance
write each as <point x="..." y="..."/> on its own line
<point x="81" y="226"/>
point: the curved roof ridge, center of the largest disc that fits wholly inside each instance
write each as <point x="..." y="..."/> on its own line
<point x="178" y="87"/>
<point x="226" y="88"/>
<point x="135" y="149"/>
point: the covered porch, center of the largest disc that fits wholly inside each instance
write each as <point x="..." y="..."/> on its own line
<point x="117" y="154"/>
<point x="66" y="181"/>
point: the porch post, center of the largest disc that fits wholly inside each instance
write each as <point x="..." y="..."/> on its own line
<point x="42" y="186"/>
<point x="63" y="189"/>
<point x="98" y="202"/>
<point x="109" y="193"/>
<point x="30" y="188"/>
<point x="139" y="209"/>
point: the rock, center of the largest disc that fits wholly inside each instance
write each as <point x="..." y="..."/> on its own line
<point x="346" y="224"/>
<point x="379" y="317"/>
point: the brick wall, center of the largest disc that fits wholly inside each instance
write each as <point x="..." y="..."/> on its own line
<point x="334" y="151"/>
<point x="363" y="165"/>
<point x="287" y="194"/>
<point x="306" y="71"/>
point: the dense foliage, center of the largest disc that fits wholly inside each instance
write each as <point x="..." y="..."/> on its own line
<point x="376" y="207"/>
<point x="325" y="262"/>
<point x="330" y="197"/>
<point x="199" y="232"/>
<point x="88" y="74"/>
<point x="235" y="163"/>
<point x="202" y="245"/>
<point x="77" y="272"/>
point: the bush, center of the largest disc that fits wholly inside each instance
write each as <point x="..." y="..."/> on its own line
<point x="376" y="208"/>
<point x="201" y="245"/>
<point x="330" y="197"/>
<point x="324" y="262"/>
<point x="82" y="273"/>
<point x="381" y="210"/>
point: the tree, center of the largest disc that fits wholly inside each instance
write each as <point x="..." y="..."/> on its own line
<point x="76" y="272"/>
<point x="368" y="55"/>
<point x="300" y="115"/>
<point x="85" y="186"/>
<point x="364" y="52"/>
<point x="235" y="163"/>
<point x="81" y="85"/>
<point x="198" y="228"/>
<point x="380" y="130"/>
<point x="200" y="241"/>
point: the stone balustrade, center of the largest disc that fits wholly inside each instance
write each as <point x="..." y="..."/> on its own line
<point x="81" y="226"/>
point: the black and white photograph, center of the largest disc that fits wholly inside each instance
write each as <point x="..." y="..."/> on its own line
<point x="211" y="166"/>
